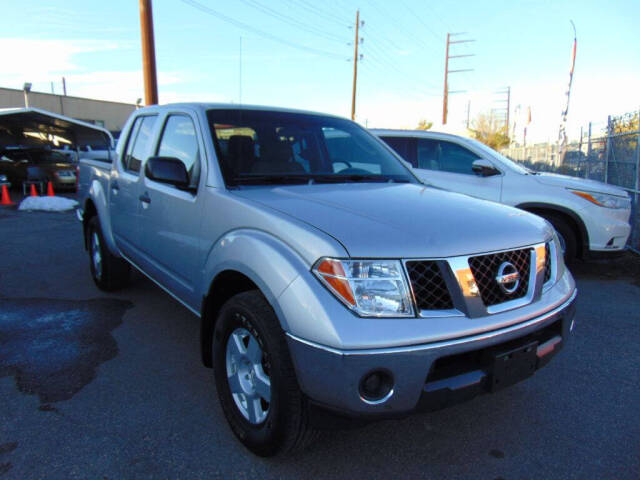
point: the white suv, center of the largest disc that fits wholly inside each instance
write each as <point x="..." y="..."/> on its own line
<point x="590" y="217"/>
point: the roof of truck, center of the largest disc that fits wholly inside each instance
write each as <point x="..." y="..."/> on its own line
<point x="232" y="106"/>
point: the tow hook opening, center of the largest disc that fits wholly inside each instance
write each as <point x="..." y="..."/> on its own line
<point x="376" y="387"/>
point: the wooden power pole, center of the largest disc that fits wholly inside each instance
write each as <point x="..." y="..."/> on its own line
<point x="355" y="67"/>
<point x="148" y="53"/>
<point x="445" y="98"/>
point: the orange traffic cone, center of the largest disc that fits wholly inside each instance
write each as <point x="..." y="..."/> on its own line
<point x="50" y="190"/>
<point x="33" y="191"/>
<point x="6" y="200"/>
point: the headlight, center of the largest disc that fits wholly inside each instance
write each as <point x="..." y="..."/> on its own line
<point x="371" y="288"/>
<point x="3" y="178"/>
<point x="604" y="199"/>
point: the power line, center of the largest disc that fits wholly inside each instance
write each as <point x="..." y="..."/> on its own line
<point x="310" y="7"/>
<point x="293" y="22"/>
<point x="417" y="17"/>
<point x="249" y="28"/>
<point x="405" y="31"/>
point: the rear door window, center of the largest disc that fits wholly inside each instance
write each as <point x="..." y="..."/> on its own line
<point x="403" y="147"/>
<point x="138" y="143"/>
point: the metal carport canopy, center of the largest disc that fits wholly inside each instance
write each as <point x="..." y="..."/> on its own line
<point x="14" y="122"/>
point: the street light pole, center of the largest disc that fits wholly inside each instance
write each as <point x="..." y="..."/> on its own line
<point x="148" y="53"/>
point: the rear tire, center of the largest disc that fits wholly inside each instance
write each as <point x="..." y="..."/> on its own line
<point x="108" y="271"/>
<point x="281" y="424"/>
<point x="566" y="235"/>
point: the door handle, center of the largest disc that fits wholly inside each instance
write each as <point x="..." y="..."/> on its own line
<point x="144" y="198"/>
<point x="115" y="187"/>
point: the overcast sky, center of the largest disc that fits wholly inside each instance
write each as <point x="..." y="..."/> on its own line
<point x="298" y="53"/>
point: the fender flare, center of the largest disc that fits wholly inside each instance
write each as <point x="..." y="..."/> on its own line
<point x="98" y="197"/>
<point x="265" y="260"/>
<point x="583" y="234"/>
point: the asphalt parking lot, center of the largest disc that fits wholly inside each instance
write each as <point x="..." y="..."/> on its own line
<point x="105" y="386"/>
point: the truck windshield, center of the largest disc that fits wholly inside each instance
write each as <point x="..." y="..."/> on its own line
<point x="267" y="147"/>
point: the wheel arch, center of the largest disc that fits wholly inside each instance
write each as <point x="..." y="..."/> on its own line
<point x="242" y="260"/>
<point x="89" y="212"/>
<point x="226" y="284"/>
<point x="574" y="220"/>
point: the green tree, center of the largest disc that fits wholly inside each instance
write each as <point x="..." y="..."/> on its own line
<point x="424" y="125"/>
<point x="488" y="130"/>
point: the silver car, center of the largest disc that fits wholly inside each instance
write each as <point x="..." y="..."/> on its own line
<point x="327" y="278"/>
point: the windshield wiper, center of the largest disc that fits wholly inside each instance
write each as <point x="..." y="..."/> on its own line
<point x="249" y="179"/>
<point x="358" y="178"/>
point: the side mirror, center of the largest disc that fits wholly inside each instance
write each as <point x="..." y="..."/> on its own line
<point x="484" y="168"/>
<point x="168" y="170"/>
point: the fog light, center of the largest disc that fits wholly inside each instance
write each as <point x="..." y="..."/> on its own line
<point x="376" y="387"/>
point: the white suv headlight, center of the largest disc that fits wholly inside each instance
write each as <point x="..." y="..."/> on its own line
<point x="604" y="199"/>
<point x="371" y="288"/>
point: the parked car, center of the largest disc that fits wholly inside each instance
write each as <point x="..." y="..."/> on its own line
<point x="591" y="218"/>
<point x="326" y="277"/>
<point x="17" y="163"/>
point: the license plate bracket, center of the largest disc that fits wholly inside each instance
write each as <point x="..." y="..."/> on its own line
<point x="511" y="366"/>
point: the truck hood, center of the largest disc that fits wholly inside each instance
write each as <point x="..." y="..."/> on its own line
<point x="565" y="181"/>
<point x="403" y="220"/>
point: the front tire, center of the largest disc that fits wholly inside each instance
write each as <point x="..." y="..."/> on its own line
<point x="108" y="271"/>
<point x="566" y="235"/>
<point x="255" y="378"/>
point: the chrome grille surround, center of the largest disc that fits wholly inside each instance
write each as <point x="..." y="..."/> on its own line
<point x="485" y="269"/>
<point x="464" y="291"/>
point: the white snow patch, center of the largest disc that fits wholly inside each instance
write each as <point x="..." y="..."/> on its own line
<point x="48" y="204"/>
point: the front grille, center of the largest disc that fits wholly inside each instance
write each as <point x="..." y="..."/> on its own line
<point x="547" y="263"/>
<point x="485" y="269"/>
<point x="429" y="288"/>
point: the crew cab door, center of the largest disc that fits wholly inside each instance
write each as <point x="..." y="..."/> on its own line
<point x="171" y="217"/>
<point x="448" y="165"/>
<point x="124" y="203"/>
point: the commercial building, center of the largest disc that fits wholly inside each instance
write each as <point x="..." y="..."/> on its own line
<point x="110" y="115"/>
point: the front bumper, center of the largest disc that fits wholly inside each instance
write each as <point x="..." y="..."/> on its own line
<point x="331" y="377"/>
<point x="608" y="229"/>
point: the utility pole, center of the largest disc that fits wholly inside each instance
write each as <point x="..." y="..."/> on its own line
<point x="445" y="99"/>
<point x="355" y="67"/>
<point x="64" y="86"/>
<point x="507" y="110"/>
<point x="468" y="112"/>
<point x="148" y="53"/>
<point x="240" y="75"/>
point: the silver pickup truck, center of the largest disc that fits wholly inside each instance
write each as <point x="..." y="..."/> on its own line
<point x="326" y="277"/>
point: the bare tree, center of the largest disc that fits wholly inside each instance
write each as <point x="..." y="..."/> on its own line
<point x="490" y="131"/>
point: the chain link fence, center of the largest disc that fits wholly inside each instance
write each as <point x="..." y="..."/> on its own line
<point x="610" y="155"/>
